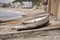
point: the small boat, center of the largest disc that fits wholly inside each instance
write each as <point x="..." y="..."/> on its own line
<point x="37" y="21"/>
<point x="34" y="22"/>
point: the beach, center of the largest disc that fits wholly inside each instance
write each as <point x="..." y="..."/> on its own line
<point x="24" y="11"/>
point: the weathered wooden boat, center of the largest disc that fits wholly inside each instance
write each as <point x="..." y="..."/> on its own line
<point x="37" y="21"/>
<point x="34" y="22"/>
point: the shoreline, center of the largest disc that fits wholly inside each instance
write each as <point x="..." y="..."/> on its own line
<point x="4" y="9"/>
<point x="23" y="11"/>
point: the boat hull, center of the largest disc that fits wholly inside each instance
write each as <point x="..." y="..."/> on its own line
<point x="33" y="24"/>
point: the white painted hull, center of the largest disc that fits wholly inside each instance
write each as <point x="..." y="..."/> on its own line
<point x="37" y="23"/>
<point x="33" y="23"/>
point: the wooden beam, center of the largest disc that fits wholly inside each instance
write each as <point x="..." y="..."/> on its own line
<point x="58" y="14"/>
<point x="49" y="6"/>
<point x="54" y="7"/>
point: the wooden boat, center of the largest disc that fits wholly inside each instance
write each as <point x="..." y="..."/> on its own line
<point x="35" y="22"/>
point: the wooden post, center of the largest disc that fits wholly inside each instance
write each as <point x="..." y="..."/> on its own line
<point x="54" y="7"/>
<point x="49" y="6"/>
<point x="58" y="14"/>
